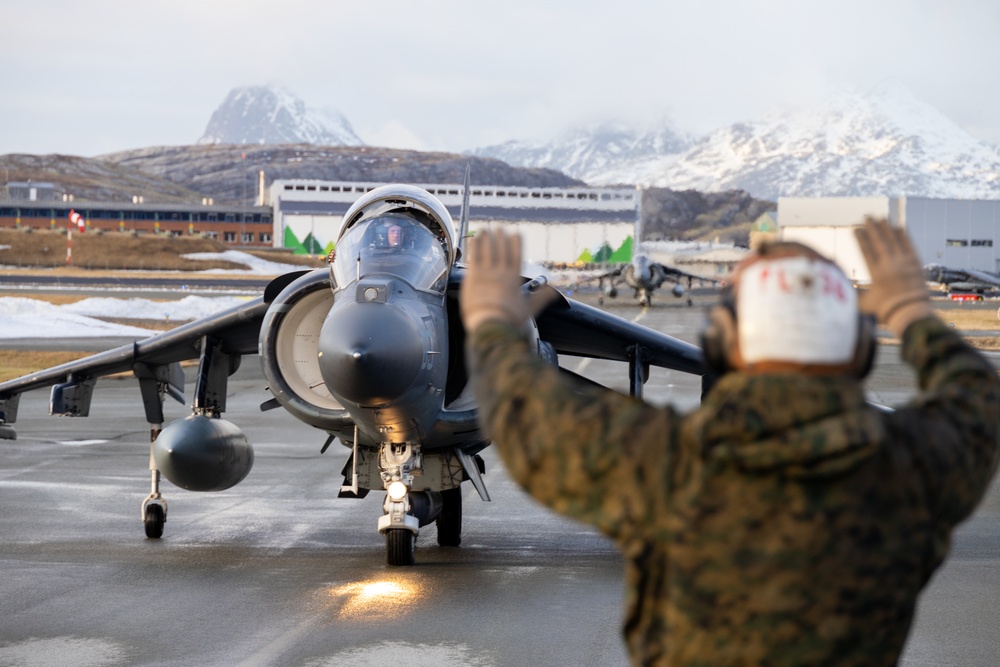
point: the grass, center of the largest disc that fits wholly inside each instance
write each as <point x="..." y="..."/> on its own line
<point x="121" y="251"/>
<point x="975" y="319"/>
<point x="15" y="363"/>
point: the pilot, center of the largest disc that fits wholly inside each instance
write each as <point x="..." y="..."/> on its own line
<point x="786" y="521"/>
<point x="394" y="235"/>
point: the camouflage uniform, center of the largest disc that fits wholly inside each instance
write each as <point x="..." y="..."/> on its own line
<point x="784" y="522"/>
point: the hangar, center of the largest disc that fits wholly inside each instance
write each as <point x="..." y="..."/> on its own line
<point x="959" y="233"/>
<point x="557" y="224"/>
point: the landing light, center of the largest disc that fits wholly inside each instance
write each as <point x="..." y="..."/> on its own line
<point x="397" y="491"/>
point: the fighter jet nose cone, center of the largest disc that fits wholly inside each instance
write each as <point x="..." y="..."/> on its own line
<point x="370" y="353"/>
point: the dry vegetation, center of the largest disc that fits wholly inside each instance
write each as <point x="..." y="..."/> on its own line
<point x="971" y="319"/>
<point x="123" y="251"/>
<point x="15" y="363"/>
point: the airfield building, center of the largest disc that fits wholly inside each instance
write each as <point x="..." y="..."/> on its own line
<point x="959" y="233"/>
<point x="233" y="224"/>
<point x="557" y="224"/>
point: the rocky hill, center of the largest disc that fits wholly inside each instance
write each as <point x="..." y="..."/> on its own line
<point x="228" y="172"/>
<point x="690" y="215"/>
<point x="94" y="179"/>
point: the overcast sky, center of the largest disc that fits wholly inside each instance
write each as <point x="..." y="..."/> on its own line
<point x="86" y="78"/>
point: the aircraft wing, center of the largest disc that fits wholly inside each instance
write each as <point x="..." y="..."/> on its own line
<point x="984" y="277"/>
<point x="154" y="360"/>
<point x="575" y="328"/>
<point x="972" y="278"/>
<point x="613" y="277"/>
<point x="672" y="273"/>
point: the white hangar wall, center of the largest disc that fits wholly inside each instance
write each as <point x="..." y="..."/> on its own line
<point x="561" y="242"/>
<point x="960" y="233"/>
<point x="558" y="224"/>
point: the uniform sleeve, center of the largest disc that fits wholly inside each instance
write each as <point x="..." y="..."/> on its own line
<point x="595" y="455"/>
<point x="953" y="422"/>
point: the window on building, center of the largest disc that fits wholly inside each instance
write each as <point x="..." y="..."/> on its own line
<point x="247" y="237"/>
<point x="211" y="234"/>
<point x="229" y="237"/>
<point x="265" y="237"/>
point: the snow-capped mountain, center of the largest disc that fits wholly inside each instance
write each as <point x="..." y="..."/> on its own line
<point x="884" y="142"/>
<point x="269" y="115"/>
<point x="590" y="152"/>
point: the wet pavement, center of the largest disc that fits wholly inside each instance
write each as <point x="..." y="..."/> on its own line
<point x="279" y="571"/>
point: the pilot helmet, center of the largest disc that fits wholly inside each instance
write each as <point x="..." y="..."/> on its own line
<point x="788" y="308"/>
<point x="390" y="233"/>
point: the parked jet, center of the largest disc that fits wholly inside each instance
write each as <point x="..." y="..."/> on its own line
<point x="644" y="276"/>
<point x="370" y="352"/>
<point x="972" y="280"/>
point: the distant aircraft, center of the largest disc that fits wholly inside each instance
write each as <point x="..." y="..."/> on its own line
<point x="972" y="280"/>
<point x="370" y="352"/>
<point x="644" y="276"/>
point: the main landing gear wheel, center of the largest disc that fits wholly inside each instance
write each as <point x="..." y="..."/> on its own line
<point x="154" y="520"/>
<point x="399" y="544"/>
<point x="449" y="521"/>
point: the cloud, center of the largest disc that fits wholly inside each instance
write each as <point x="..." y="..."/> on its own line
<point x="452" y="75"/>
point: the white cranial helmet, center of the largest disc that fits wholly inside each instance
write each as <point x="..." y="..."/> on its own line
<point x="796" y="309"/>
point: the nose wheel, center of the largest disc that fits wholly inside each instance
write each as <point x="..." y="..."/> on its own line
<point x="399" y="544"/>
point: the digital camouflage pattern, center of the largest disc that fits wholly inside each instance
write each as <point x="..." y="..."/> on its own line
<point x="784" y="522"/>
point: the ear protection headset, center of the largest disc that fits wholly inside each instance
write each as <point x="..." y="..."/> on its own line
<point x="719" y="339"/>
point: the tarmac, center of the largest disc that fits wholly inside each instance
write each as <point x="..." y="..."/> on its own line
<point x="279" y="571"/>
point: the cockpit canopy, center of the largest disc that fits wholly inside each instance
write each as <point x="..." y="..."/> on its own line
<point x="397" y="198"/>
<point x="392" y="244"/>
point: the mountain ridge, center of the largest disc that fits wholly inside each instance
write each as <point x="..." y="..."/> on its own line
<point x="272" y="115"/>
<point x="881" y="142"/>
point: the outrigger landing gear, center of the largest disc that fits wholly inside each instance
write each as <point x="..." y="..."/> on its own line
<point x="154" y="507"/>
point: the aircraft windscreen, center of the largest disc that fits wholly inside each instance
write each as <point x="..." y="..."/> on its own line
<point x="393" y="245"/>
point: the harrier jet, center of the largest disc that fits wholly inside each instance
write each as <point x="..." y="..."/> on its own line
<point x="369" y="352"/>
<point x="644" y="276"/>
<point x="972" y="280"/>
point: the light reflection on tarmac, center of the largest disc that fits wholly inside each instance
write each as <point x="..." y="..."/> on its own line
<point x="279" y="571"/>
